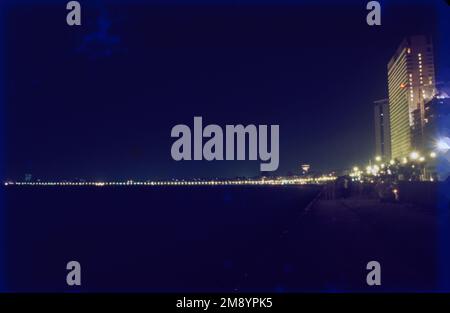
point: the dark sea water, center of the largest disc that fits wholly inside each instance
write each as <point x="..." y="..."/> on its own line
<point x="152" y="238"/>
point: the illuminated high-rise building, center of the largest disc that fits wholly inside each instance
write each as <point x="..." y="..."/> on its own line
<point x="382" y="129"/>
<point x="411" y="82"/>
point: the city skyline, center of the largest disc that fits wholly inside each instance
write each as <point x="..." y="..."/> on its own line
<point x="229" y="148"/>
<point x="114" y="133"/>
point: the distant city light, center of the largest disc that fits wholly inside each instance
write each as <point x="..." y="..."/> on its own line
<point x="263" y="181"/>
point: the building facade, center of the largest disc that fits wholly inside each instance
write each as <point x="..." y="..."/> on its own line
<point x="411" y="84"/>
<point x="382" y="129"/>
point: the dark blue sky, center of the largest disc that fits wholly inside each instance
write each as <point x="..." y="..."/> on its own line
<point x="99" y="101"/>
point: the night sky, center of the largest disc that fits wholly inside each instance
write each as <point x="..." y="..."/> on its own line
<point x="99" y="101"/>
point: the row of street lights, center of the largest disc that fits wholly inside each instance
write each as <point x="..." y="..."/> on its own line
<point x="415" y="161"/>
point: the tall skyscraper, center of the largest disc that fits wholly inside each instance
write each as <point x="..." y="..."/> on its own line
<point x="382" y="129"/>
<point x="411" y="82"/>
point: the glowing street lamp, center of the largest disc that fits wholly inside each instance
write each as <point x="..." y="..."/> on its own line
<point x="378" y="158"/>
<point x="414" y="155"/>
<point x="376" y="168"/>
<point x="443" y="144"/>
<point x="433" y="155"/>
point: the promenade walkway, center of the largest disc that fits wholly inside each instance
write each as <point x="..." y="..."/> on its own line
<point x="336" y="239"/>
